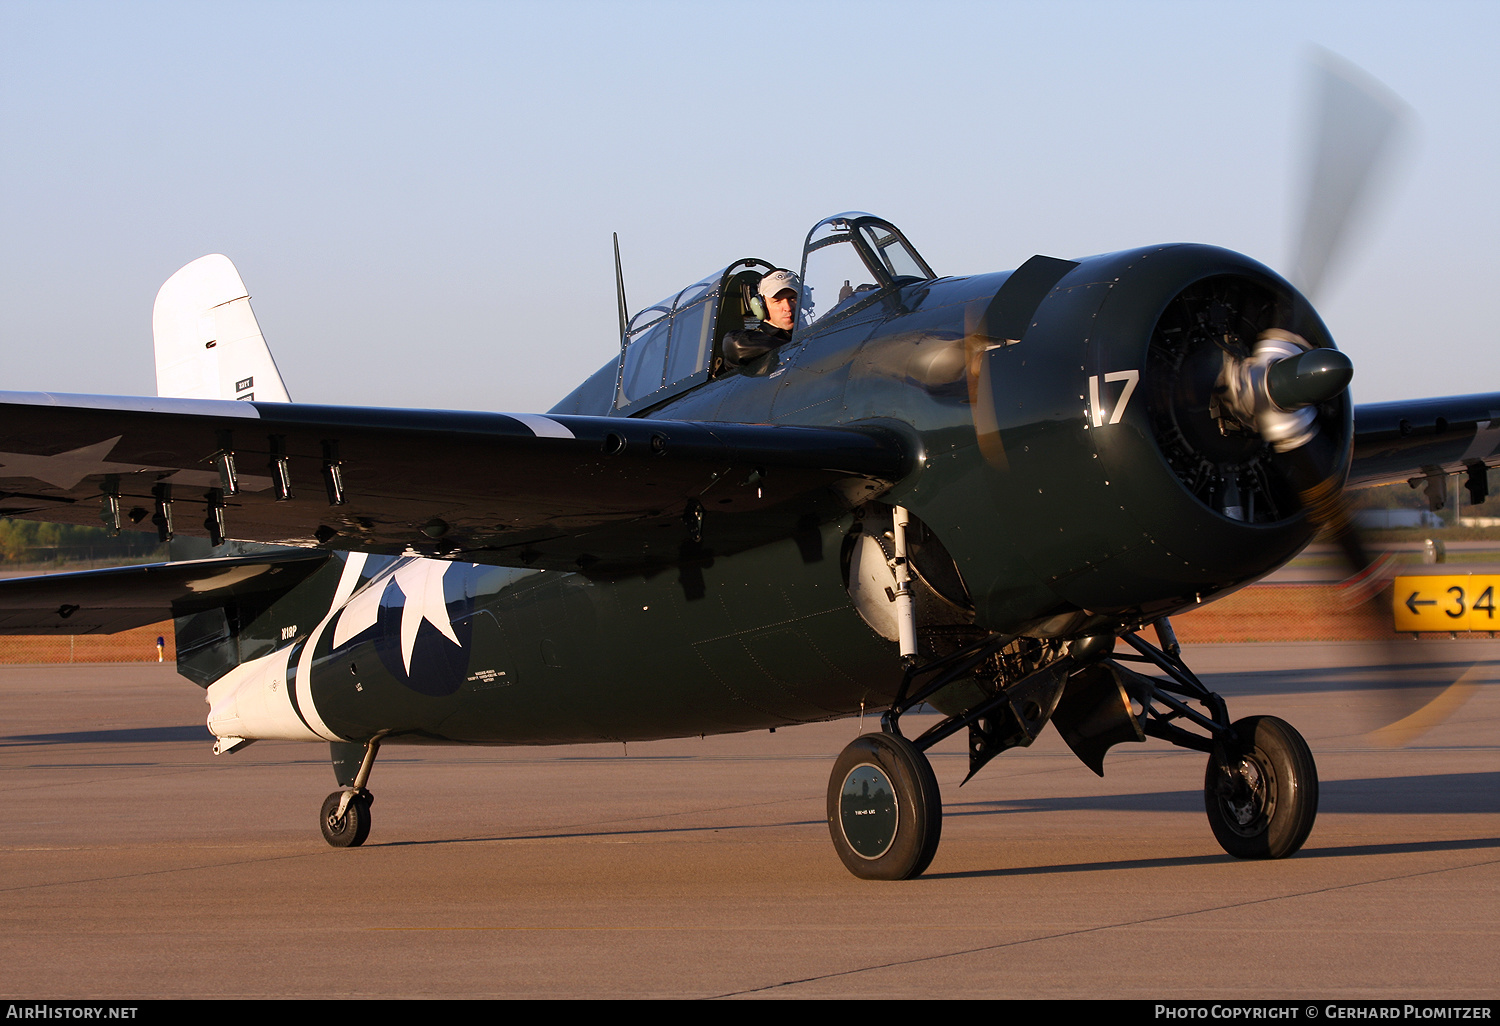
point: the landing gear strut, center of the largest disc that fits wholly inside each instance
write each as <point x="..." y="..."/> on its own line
<point x="1261" y="787"/>
<point x="345" y="816"/>
<point x="885" y="811"/>
<point x="884" y="806"/>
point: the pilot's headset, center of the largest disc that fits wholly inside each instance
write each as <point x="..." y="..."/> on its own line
<point x="755" y="303"/>
<point x="755" y="306"/>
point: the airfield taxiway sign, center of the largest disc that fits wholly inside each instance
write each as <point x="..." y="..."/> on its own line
<point x="1451" y="602"/>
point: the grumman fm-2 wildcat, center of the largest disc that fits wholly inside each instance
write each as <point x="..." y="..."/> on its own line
<point x="984" y="493"/>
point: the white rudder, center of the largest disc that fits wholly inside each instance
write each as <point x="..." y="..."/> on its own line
<point x="208" y="344"/>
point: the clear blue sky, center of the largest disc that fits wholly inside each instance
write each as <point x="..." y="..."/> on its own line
<point x="420" y="196"/>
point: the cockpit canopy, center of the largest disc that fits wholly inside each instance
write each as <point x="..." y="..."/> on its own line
<point x="673" y="345"/>
<point x="850" y="257"/>
<point x="670" y="345"/>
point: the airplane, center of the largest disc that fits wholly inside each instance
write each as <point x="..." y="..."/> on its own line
<point x="986" y="494"/>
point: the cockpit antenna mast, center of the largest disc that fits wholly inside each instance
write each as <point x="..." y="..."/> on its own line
<point x="620" y="288"/>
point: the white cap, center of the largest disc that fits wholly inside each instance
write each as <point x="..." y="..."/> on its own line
<point x="778" y="281"/>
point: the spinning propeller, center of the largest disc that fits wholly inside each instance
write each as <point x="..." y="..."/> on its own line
<point x="1358" y="127"/>
<point x="1244" y="394"/>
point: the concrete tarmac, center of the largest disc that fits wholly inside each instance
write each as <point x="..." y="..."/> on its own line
<point x="138" y="865"/>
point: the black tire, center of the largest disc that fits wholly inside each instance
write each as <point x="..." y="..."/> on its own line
<point x="1262" y="796"/>
<point x="350" y="831"/>
<point x="887" y="821"/>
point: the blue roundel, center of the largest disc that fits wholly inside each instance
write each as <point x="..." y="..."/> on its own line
<point x="438" y="666"/>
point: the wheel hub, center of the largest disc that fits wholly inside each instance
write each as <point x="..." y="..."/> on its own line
<point x="1250" y="797"/>
<point x="868" y="811"/>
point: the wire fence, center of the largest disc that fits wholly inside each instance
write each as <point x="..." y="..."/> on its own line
<point x="1287" y="612"/>
<point x="1263" y="612"/>
<point x="137" y="645"/>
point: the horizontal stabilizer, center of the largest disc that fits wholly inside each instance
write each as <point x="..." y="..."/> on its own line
<point x="118" y="598"/>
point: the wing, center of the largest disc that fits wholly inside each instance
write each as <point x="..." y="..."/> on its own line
<point x="1399" y="441"/>
<point x="119" y="598"/>
<point x="604" y="495"/>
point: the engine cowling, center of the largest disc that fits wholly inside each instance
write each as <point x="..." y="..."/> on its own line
<point x="1133" y="459"/>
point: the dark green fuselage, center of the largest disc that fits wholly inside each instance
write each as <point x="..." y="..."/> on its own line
<point x="1066" y="505"/>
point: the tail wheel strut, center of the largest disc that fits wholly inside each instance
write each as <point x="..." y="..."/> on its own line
<point x="345" y="816"/>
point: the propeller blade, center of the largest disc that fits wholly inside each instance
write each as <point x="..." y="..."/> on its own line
<point x="1369" y="570"/>
<point x="1003" y="322"/>
<point x="1428" y="715"/>
<point x="1356" y="131"/>
<point x="1406" y="707"/>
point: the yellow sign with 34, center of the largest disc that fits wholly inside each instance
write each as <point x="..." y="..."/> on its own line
<point x="1446" y="602"/>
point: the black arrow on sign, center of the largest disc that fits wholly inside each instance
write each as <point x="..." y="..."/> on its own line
<point x="1412" y="603"/>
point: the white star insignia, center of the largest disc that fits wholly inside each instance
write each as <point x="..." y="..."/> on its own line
<point x="421" y="582"/>
<point x="65" y="469"/>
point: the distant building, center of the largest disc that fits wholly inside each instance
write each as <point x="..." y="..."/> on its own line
<point x="1386" y="518"/>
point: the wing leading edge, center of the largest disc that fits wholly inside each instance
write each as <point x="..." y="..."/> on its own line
<point x="600" y="494"/>
<point x="1400" y="441"/>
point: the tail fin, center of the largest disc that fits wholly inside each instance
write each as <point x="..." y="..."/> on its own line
<point x="208" y="345"/>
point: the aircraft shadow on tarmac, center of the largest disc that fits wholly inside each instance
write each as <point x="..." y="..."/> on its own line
<point x="1375" y="677"/>
<point x="1450" y="792"/>
<point x="1477" y="792"/>
<point x="1213" y="859"/>
<point x="132" y="735"/>
<point x="1219" y="858"/>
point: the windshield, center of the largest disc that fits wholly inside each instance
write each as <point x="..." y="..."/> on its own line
<point x="850" y="257"/>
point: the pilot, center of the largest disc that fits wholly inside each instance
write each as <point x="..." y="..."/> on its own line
<point x="779" y="292"/>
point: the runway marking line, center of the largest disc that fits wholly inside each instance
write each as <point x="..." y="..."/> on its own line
<point x="150" y="872"/>
<point x="1101" y="929"/>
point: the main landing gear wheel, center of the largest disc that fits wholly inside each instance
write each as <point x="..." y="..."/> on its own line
<point x="884" y="810"/>
<point x="1262" y="796"/>
<point x="351" y="829"/>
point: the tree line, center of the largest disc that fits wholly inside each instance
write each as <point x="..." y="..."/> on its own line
<point x="31" y="541"/>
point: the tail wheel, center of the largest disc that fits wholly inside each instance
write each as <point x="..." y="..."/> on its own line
<point x="885" y="813"/>
<point x="352" y="828"/>
<point x="1261" y="794"/>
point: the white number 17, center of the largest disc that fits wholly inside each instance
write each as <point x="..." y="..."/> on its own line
<point x="1096" y="408"/>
